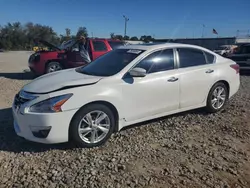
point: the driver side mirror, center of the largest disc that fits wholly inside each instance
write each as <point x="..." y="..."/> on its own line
<point x="138" y="72"/>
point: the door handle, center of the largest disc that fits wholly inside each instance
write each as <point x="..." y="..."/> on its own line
<point x="172" y="79"/>
<point x="209" y="71"/>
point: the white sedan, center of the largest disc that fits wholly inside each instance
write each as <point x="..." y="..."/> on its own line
<point x="128" y="85"/>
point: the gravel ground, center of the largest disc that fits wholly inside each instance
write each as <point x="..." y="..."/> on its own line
<point x="191" y="149"/>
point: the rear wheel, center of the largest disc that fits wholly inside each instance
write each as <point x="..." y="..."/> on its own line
<point x="217" y="97"/>
<point x="92" y="126"/>
<point x="53" y="66"/>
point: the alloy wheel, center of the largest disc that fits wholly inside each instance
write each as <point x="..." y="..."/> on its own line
<point x="94" y="126"/>
<point x="218" y="97"/>
<point x="54" y="68"/>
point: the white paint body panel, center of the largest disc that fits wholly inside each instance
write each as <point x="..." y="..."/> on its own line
<point x="195" y="84"/>
<point x="55" y="80"/>
<point x="154" y="94"/>
<point x="143" y="99"/>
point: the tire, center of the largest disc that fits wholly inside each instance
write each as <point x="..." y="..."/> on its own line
<point x="53" y="66"/>
<point x="86" y="141"/>
<point x="212" y="105"/>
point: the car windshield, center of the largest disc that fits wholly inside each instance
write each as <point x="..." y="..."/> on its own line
<point x="110" y="63"/>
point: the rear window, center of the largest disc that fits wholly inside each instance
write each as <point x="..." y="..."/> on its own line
<point x="115" y="45"/>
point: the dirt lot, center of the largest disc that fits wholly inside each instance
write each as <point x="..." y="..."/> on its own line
<point x="192" y="149"/>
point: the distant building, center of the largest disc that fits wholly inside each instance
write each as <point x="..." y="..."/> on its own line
<point x="243" y="40"/>
<point x="210" y="43"/>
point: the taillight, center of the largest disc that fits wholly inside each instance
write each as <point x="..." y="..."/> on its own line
<point x="236" y="67"/>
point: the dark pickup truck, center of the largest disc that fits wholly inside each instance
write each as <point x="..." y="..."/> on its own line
<point x="241" y="56"/>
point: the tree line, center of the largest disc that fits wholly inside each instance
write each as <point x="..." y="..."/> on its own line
<point x="17" y="36"/>
<point x="145" y="38"/>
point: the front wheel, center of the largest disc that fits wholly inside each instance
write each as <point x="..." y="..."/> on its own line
<point x="53" y="66"/>
<point x="217" y="97"/>
<point x="92" y="126"/>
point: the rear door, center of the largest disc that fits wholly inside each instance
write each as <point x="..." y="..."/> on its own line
<point x="98" y="48"/>
<point x="197" y="73"/>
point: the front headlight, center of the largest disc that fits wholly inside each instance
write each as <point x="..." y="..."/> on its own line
<point x="50" y="105"/>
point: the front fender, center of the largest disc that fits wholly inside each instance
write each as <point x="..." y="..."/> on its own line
<point x="87" y="94"/>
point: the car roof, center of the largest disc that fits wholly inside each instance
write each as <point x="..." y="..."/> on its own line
<point x="152" y="46"/>
<point x="105" y="39"/>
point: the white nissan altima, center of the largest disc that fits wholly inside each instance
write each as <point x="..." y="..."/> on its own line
<point x="128" y="85"/>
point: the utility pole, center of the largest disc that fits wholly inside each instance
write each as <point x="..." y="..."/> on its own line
<point x="237" y="33"/>
<point x="202" y="34"/>
<point x="125" y="29"/>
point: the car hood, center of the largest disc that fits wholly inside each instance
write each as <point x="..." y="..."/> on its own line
<point x="46" y="43"/>
<point x="59" y="80"/>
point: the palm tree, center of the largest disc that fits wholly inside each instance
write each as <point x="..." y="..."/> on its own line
<point x="67" y="32"/>
<point x="82" y="31"/>
<point x="112" y="35"/>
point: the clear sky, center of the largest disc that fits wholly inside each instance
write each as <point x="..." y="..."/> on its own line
<point x="159" y="18"/>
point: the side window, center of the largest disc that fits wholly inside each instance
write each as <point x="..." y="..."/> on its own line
<point x="99" y="46"/>
<point x="147" y="62"/>
<point x="189" y="57"/>
<point x="163" y="62"/>
<point x="158" y="61"/>
<point x="210" y="58"/>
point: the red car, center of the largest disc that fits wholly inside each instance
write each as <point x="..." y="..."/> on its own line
<point x="68" y="55"/>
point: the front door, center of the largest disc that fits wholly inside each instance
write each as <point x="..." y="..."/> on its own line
<point x="74" y="58"/>
<point x="157" y="92"/>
